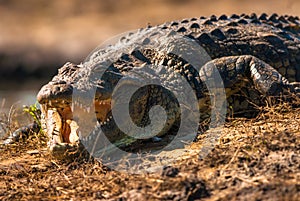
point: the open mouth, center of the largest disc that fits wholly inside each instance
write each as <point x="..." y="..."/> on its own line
<point x="62" y="127"/>
<point x="58" y="123"/>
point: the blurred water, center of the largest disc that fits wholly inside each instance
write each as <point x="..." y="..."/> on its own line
<point x="11" y="109"/>
<point x="9" y="98"/>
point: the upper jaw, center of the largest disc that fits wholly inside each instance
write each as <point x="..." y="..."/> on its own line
<point x="55" y="93"/>
<point x="60" y="88"/>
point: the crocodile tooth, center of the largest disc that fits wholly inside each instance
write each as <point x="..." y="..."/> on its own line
<point x="55" y="131"/>
<point x="72" y="107"/>
<point x="80" y="135"/>
<point x="88" y="109"/>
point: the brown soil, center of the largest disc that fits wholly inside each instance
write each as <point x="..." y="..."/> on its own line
<point x="255" y="159"/>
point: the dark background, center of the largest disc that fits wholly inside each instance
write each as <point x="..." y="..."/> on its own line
<point x="38" y="36"/>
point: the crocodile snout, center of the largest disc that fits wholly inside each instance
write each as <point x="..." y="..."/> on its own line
<point x="55" y="92"/>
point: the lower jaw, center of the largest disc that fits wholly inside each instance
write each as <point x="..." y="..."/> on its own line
<point x="60" y="127"/>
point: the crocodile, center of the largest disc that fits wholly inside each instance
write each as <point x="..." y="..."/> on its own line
<point x="257" y="57"/>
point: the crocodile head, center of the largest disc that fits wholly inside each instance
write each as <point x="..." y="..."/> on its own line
<point x="63" y="114"/>
<point x="58" y="120"/>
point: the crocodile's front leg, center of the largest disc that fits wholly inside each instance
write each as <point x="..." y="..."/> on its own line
<point x="22" y="133"/>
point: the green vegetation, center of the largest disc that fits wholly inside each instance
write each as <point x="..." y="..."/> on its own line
<point x="34" y="112"/>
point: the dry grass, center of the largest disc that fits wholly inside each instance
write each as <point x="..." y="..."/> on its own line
<point x="255" y="159"/>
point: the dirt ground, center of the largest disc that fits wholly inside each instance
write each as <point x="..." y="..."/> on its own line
<point x="255" y="159"/>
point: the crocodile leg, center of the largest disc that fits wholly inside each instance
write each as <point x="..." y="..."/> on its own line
<point x="251" y="76"/>
<point x="21" y="133"/>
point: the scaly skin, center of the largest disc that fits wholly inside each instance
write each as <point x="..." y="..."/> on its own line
<point x="257" y="57"/>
